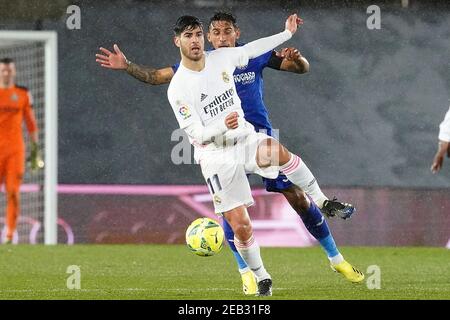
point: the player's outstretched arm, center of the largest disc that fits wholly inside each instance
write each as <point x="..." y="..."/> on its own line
<point x="117" y="61"/>
<point x="149" y="74"/>
<point x="293" y="61"/>
<point x="260" y="46"/>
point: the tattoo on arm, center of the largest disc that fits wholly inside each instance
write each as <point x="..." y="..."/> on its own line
<point x="144" y="74"/>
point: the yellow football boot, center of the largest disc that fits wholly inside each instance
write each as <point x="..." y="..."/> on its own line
<point x="350" y="273"/>
<point x="249" y="283"/>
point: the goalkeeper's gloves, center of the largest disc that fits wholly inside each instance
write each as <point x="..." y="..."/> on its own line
<point x="35" y="160"/>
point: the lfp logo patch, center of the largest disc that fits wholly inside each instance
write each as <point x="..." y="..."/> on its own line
<point x="184" y="111"/>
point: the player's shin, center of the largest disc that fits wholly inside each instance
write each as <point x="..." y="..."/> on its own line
<point x="318" y="227"/>
<point x="12" y="213"/>
<point x="249" y="250"/>
<point x="229" y="235"/>
<point x="299" y="174"/>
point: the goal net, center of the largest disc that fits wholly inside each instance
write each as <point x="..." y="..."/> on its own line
<point x="35" y="57"/>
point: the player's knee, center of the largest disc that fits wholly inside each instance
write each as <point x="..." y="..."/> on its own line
<point x="243" y="231"/>
<point x="268" y="153"/>
<point x="264" y="154"/>
<point x="240" y="222"/>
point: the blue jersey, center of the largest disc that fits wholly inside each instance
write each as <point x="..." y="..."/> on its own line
<point x="250" y="85"/>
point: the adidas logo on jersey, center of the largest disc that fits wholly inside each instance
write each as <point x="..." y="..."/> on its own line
<point x="203" y="97"/>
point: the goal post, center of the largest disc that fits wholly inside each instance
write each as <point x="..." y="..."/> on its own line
<point x="40" y="49"/>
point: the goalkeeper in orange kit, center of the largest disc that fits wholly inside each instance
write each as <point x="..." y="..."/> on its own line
<point x="15" y="107"/>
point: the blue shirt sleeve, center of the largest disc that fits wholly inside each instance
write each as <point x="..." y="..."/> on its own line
<point x="265" y="58"/>
<point x="175" y="67"/>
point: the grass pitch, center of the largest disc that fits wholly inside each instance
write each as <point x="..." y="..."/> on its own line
<point x="172" y="272"/>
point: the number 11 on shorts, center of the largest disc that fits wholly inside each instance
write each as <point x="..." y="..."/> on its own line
<point x="214" y="180"/>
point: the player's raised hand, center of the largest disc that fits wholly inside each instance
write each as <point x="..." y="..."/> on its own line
<point x="290" y="54"/>
<point x="292" y="22"/>
<point x="231" y="120"/>
<point x="112" y="60"/>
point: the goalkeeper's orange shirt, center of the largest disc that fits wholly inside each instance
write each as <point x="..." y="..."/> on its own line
<point x="15" y="107"/>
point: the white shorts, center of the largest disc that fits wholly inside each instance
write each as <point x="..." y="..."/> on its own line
<point x="225" y="171"/>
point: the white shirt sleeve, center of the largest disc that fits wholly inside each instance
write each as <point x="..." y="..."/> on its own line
<point x="260" y="46"/>
<point x="240" y="55"/>
<point x="205" y="135"/>
<point x="444" y="128"/>
<point x="182" y="106"/>
<point x="190" y="121"/>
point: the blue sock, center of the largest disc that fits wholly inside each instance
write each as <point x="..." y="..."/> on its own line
<point x="229" y="235"/>
<point x="329" y="246"/>
<point x="318" y="227"/>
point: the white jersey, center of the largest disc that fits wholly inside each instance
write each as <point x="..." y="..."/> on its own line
<point x="444" y="128"/>
<point x="201" y="101"/>
<point x="209" y="95"/>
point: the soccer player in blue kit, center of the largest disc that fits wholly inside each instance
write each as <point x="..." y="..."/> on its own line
<point x="224" y="32"/>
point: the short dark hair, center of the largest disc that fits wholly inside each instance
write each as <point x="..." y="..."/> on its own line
<point x="6" y="60"/>
<point x="186" y="23"/>
<point x="224" y="16"/>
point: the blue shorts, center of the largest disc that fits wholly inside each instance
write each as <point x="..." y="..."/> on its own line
<point x="281" y="182"/>
<point x="277" y="185"/>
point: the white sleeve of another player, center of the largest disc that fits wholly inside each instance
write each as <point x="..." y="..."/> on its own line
<point x="444" y="128"/>
<point x="190" y="121"/>
<point x="241" y="55"/>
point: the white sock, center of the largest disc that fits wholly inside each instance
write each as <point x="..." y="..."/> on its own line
<point x="249" y="251"/>
<point x="299" y="174"/>
<point x="336" y="259"/>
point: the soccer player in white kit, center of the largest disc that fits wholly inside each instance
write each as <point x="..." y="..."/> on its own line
<point x="444" y="144"/>
<point x="203" y="97"/>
